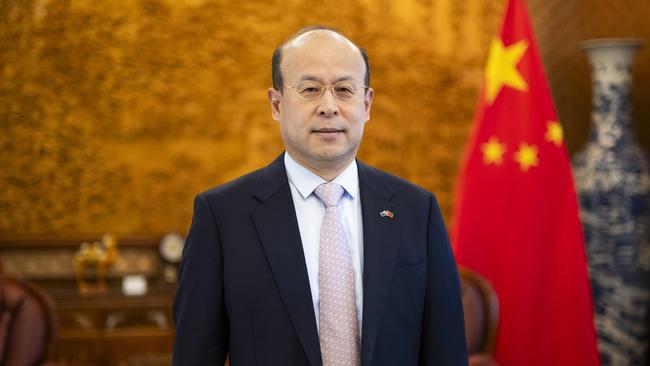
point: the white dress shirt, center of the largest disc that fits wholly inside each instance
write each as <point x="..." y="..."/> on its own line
<point x="310" y="211"/>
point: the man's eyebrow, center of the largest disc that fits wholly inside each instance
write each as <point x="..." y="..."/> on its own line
<point x="344" y="78"/>
<point x="309" y="77"/>
<point x="314" y="78"/>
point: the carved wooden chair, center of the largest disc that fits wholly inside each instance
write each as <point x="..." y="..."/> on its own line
<point x="481" y="309"/>
<point x="27" y="323"/>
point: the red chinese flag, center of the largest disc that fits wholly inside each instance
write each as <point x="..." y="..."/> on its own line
<point x="516" y="215"/>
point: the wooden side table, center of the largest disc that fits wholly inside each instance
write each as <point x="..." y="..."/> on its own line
<point x="114" y="329"/>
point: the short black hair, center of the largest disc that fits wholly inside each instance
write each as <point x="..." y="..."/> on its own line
<point x="276" y="74"/>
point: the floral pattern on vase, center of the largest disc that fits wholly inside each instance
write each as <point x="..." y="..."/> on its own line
<point x="613" y="185"/>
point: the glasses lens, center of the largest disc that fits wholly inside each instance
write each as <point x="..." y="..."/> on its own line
<point x="312" y="90"/>
<point x="309" y="89"/>
<point x="344" y="89"/>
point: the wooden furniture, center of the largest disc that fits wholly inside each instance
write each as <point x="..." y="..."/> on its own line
<point x="481" y="309"/>
<point x="114" y="329"/>
<point x="108" y="329"/>
<point x="27" y="323"/>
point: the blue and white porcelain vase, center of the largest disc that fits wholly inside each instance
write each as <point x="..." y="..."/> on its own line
<point x="613" y="186"/>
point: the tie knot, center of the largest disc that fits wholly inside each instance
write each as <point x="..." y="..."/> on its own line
<point x="329" y="193"/>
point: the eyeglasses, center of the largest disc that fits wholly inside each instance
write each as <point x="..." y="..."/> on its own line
<point x="313" y="90"/>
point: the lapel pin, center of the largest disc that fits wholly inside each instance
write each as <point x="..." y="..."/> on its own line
<point x="386" y="213"/>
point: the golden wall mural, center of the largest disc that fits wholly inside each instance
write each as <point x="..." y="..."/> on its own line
<point x="114" y="114"/>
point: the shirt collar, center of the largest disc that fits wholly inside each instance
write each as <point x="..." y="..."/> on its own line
<point x="306" y="181"/>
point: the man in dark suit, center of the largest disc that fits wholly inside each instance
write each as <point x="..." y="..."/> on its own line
<point x="318" y="259"/>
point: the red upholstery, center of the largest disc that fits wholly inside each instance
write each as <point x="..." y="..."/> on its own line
<point x="27" y="323"/>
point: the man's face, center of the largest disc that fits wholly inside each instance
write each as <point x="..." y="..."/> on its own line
<point x="324" y="133"/>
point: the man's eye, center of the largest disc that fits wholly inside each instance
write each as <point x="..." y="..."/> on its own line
<point x="344" y="90"/>
<point x="310" y="90"/>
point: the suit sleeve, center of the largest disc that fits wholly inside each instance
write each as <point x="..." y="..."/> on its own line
<point x="200" y="316"/>
<point x="443" y="334"/>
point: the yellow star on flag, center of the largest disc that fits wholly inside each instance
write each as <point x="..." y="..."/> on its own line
<point x="501" y="69"/>
<point x="526" y="156"/>
<point x="554" y="132"/>
<point x="493" y="151"/>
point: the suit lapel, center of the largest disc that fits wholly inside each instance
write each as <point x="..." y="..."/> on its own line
<point x="380" y="240"/>
<point x="275" y="220"/>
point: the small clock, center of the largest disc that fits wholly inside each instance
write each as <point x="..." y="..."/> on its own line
<point x="171" y="248"/>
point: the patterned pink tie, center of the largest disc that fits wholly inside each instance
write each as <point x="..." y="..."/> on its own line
<point x="339" y="327"/>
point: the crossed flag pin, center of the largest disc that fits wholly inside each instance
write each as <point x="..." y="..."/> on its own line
<point x="386" y="213"/>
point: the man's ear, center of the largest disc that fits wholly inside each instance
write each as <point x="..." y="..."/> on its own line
<point x="274" y="99"/>
<point x="367" y="101"/>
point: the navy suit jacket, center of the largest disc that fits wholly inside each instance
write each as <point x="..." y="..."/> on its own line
<point x="244" y="291"/>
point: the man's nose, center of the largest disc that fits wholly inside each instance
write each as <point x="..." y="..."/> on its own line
<point x="328" y="106"/>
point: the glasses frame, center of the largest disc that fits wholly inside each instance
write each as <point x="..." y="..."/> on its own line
<point x="324" y="87"/>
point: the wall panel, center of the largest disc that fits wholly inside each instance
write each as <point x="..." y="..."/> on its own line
<point x="114" y="114"/>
